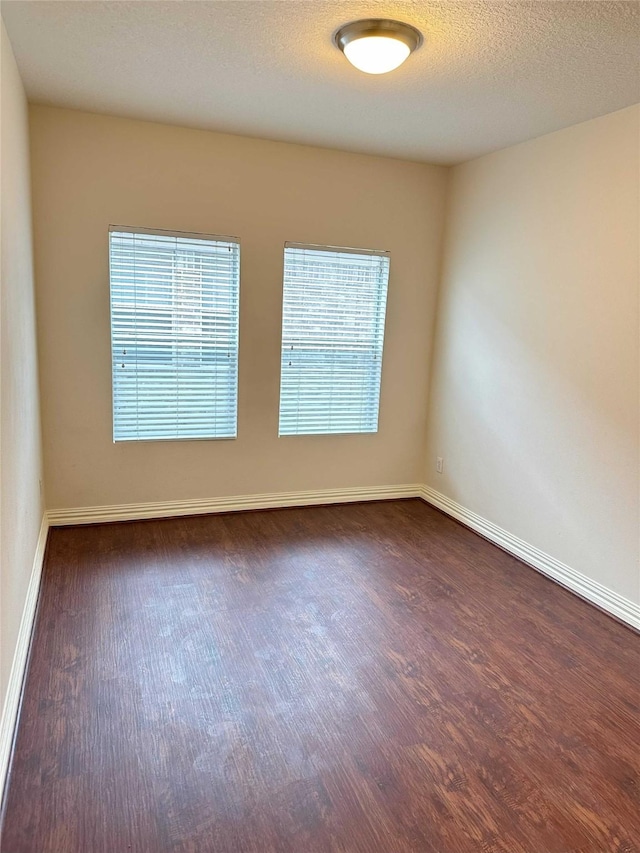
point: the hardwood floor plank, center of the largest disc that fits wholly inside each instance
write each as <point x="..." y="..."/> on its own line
<point x="368" y="678"/>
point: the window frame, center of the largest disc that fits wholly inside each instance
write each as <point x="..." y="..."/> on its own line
<point x="193" y="235"/>
<point x="381" y="307"/>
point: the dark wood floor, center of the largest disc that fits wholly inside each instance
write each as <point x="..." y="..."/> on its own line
<point x="370" y="678"/>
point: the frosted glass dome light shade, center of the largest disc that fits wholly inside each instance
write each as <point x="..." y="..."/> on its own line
<point x="377" y="46"/>
<point x="376" y="54"/>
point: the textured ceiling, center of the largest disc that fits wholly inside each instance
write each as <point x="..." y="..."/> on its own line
<point x="489" y="74"/>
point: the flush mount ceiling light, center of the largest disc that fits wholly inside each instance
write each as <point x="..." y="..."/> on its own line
<point x="376" y="45"/>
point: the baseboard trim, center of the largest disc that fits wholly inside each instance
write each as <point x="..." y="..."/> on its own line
<point x="603" y="597"/>
<point x="276" y="500"/>
<point x="13" y="697"/>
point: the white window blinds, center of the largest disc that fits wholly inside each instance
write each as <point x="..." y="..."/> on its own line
<point x="332" y="338"/>
<point x="174" y="334"/>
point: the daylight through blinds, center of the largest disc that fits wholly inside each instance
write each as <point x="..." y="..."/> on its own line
<point x="332" y="338"/>
<point x="174" y="335"/>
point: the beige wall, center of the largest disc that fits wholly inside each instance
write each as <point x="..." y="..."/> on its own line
<point x="20" y="469"/>
<point x="90" y="171"/>
<point x="534" y="390"/>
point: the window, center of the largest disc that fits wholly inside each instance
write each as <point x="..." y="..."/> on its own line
<point x="174" y="334"/>
<point x="332" y="336"/>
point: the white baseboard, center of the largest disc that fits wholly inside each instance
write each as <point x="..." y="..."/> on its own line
<point x="622" y="608"/>
<point x="20" y="657"/>
<point x="168" y="509"/>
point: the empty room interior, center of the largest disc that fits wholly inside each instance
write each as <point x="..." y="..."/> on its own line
<point x="320" y="427"/>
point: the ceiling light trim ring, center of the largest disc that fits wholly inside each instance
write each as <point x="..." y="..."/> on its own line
<point x="378" y="27"/>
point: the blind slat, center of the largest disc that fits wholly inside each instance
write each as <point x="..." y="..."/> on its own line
<point x="174" y="335"/>
<point x="332" y="339"/>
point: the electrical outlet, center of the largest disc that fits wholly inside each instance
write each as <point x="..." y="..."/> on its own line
<point x="439" y="464"/>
